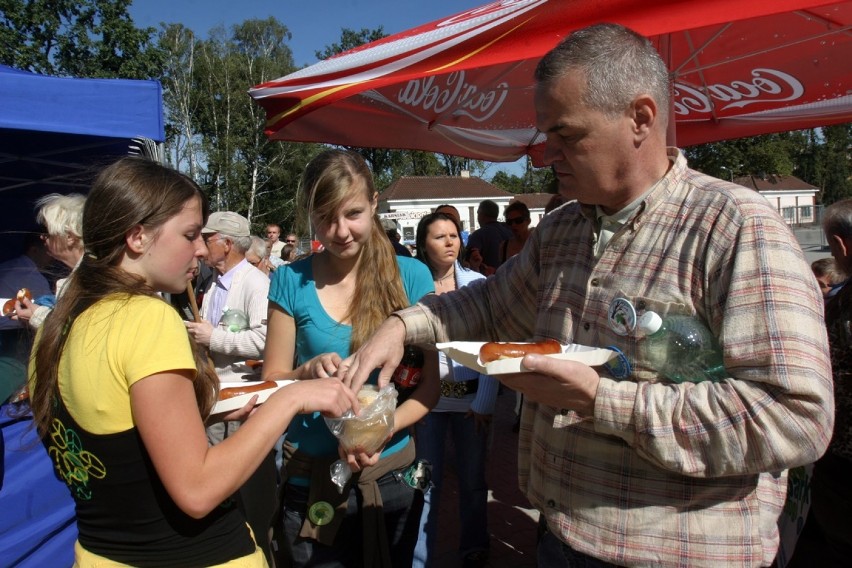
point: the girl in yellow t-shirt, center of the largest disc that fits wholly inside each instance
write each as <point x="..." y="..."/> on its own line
<point x="120" y="393"/>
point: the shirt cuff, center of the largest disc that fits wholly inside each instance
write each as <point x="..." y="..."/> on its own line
<point x="418" y="330"/>
<point x="614" y="404"/>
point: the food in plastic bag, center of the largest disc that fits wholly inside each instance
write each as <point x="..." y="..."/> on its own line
<point x="364" y="433"/>
<point x="370" y="430"/>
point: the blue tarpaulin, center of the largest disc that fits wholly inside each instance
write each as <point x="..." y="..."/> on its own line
<point x="55" y="132"/>
<point x="37" y="526"/>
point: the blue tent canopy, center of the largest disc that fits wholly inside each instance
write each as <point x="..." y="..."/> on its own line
<point x="56" y="131"/>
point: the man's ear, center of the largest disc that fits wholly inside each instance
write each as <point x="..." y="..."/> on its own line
<point x="136" y="239"/>
<point x="643" y="113"/>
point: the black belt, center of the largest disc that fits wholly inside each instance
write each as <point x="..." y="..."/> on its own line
<point x="459" y="390"/>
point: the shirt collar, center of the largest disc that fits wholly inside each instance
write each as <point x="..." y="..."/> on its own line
<point x="227" y="279"/>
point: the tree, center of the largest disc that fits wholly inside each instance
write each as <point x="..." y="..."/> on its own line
<point x="837" y="184"/>
<point x="180" y="97"/>
<point x="534" y="180"/>
<point x="350" y="39"/>
<point x="217" y="130"/>
<point x="83" y="38"/>
<point x="756" y="155"/>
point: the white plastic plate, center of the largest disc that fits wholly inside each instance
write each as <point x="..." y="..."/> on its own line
<point x="231" y="404"/>
<point x="467" y="354"/>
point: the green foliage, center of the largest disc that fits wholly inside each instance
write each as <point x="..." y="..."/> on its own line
<point x="768" y="154"/>
<point x="837" y="171"/>
<point x="350" y="39"/>
<point x="534" y="180"/>
<point x="217" y="130"/>
<point x="83" y="38"/>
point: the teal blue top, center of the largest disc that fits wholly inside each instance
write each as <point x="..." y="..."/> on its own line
<point x="293" y="288"/>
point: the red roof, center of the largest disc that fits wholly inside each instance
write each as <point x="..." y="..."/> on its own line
<point x="774" y="183"/>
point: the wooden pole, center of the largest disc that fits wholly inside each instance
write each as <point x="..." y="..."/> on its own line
<point x="193" y="305"/>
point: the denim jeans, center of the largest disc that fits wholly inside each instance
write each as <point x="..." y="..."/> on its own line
<point x="401" y="504"/>
<point x="470" y="453"/>
<point x="553" y="553"/>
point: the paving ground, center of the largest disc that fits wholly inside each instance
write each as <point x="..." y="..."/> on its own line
<point x="511" y="521"/>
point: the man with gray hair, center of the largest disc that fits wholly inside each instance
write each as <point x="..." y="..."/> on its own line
<point x="238" y="286"/>
<point x="630" y="465"/>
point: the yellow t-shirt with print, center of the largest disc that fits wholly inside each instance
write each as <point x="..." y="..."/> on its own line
<point x="111" y="345"/>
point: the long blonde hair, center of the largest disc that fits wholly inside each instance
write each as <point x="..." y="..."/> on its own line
<point x="328" y="182"/>
<point x="130" y="192"/>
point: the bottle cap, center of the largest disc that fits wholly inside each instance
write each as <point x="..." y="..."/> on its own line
<point x="649" y="323"/>
<point x="321" y="513"/>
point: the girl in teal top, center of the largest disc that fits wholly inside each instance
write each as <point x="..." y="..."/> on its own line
<point x="321" y="309"/>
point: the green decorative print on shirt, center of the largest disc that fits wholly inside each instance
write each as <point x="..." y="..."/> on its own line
<point x="73" y="464"/>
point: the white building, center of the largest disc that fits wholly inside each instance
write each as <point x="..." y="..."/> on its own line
<point x="794" y="199"/>
<point x="409" y="198"/>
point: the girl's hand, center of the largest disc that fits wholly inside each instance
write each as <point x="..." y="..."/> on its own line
<point x="239" y="415"/>
<point x="359" y="460"/>
<point x="320" y="367"/>
<point x="328" y="396"/>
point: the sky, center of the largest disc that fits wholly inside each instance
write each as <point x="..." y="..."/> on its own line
<point x="312" y="24"/>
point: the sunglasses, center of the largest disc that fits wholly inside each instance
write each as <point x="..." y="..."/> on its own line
<point x="515" y="221"/>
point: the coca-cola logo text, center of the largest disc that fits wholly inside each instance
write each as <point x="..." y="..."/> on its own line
<point x="766" y="85"/>
<point x="451" y="91"/>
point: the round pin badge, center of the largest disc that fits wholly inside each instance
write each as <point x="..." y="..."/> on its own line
<point x="619" y="366"/>
<point x="622" y="316"/>
<point x="321" y="513"/>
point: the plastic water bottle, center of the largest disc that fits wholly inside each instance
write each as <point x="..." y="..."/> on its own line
<point x="234" y="320"/>
<point x="681" y="348"/>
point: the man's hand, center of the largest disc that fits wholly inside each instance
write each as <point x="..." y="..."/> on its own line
<point x="555" y="382"/>
<point x="383" y="350"/>
<point x="200" y="331"/>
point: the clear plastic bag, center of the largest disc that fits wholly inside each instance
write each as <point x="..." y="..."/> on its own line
<point x="367" y="432"/>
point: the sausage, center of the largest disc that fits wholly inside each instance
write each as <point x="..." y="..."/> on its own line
<point x="231" y="392"/>
<point x="497" y="350"/>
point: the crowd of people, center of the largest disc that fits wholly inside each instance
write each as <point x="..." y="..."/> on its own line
<point x="625" y="467"/>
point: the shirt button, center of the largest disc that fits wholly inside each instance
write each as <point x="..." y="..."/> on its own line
<point x="595" y="282"/>
<point x="563" y="412"/>
<point x="587" y="326"/>
<point x="551" y="503"/>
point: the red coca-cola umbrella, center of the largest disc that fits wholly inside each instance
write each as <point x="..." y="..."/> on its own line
<point x="464" y="85"/>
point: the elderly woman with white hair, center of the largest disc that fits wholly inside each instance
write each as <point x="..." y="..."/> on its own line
<point x="62" y="218"/>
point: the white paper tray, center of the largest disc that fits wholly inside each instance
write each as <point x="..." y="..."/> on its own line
<point x="467" y="353"/>
<point x="237" y="402"/>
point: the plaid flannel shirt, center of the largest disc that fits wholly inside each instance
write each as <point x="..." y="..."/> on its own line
<point x="690" y="474"/>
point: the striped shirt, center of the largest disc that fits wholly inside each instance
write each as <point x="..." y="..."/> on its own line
<point x="690" y="474"/>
